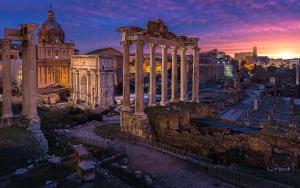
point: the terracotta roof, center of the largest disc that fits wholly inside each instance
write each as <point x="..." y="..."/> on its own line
<point x="106" y="51"/>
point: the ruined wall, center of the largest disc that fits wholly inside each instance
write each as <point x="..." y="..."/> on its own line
<point x="172" y="125"/>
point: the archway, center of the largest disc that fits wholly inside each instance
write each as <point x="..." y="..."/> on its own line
<point x="83" y="88"/>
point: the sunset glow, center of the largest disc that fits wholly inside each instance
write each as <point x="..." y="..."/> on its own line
<point x="231" y="26"/>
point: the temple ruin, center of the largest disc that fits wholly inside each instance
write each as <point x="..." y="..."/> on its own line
<point x="155" y="35"/>
<point x="25" y="34"/>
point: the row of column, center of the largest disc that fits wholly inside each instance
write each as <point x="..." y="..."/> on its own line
<point x="139" y="76"/>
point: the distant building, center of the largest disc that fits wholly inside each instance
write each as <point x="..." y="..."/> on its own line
<point x="117" y="58"/>
<point x="246" y="59"/>
<point x="212" y="66"/>
<point x="93" y="80"/>
<point x="53" y="54"/>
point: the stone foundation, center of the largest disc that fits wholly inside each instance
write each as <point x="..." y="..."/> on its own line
<point x="136" y="125"/>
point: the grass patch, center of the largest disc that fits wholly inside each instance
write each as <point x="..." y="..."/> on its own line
<point x="16" y="147"/>
<point x="60" y="118"/>
<point x="39" y="175"/>
<point x="108" y="131"/>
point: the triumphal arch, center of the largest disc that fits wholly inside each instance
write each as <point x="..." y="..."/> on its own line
<point x="155" y="36"/>
<point x="25" y="34"/>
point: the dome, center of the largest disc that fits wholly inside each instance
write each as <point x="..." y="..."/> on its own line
<point x="51" y="31"/>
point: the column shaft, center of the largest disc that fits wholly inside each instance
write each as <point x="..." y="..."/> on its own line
<point x="126" y="78"/>
<point x="164" y="75"/>
<point x="195" y="95"/>
<point x="139" y="79"/>
<point x="89" y="96"/>
<point x="183" y="75"/>
<point x="174" y="75"/>
<point x="152" y="93"/>
<point x="6" y="80"/>
<point x="31" y="61"/>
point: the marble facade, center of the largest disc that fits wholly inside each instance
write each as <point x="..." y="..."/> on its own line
<point x="92" y="80"/>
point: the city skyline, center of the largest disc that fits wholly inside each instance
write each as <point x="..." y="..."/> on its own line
<point x="232" y="27"/>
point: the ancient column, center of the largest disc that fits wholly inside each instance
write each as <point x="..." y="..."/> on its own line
<point x="25" y="80"/>
<point x="139" y="78"/>
<point x="89" y="101"/>
<point x="297" y="74"/>
<point x="126" y="77"/>
<point x="164" y="75"/>
<point x="195" y="95"/>
<point x="77" y="86"/>
<point x="31" y="61"/>
<point x="152" y="93"/>
<point x="183" y="75"/>
<point x="174" y="75"/>
<point x="96" y="89"/>
<point x="6" y="80"/>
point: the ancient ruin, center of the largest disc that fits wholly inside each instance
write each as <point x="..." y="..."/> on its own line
<point x="25" y="34"/>
<point x="155" y="35"/>
<point x="93" y="80"/>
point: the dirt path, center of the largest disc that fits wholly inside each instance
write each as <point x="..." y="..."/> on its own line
<point x="168" y="170"/>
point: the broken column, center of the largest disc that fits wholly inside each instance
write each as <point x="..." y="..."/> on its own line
<point x="6" y="80"/>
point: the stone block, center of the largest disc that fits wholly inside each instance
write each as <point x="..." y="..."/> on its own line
<point x="86" y="170"/>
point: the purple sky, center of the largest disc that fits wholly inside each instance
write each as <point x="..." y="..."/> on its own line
<point x="229" y="25"/>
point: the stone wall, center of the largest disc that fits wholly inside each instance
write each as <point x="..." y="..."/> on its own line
<point x="135" y="125"/>
<point x="172" y="125"/>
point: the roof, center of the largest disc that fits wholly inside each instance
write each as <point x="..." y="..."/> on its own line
<point x="106" y="51"/>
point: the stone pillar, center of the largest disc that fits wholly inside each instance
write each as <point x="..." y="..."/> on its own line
<point x="6" y="80"/>
<point x="183" y="75"/>
<point x="174" y="83"/>
<point x="164" y="75"/>
<point x="139" y="78"/>
<point x="25" y="79"/>
<point x="77" y="86"/>
<point x="89" y="96"/>
<point x="195" y="95"/>
<point x="31" y="61"/>
<point x="152" y="93"/>
<point x="297" y="74"/>
<point x="96" y="94"/>
<point x="126" y="77"/>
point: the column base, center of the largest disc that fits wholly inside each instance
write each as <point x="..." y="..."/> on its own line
<point x="195" y="100"/>
<point x="174" y="100"/>
<point x="141" y="115"/>
<point x="183" y="100"/>
<point x="125" y="109"/>
<point x="152" y="104"/>
<point x="163" y="103"/>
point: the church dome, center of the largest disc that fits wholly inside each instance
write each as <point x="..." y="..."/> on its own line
<point x="51" y="31"/>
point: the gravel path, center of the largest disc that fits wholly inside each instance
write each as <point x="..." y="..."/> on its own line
<point x="168" y="170"/>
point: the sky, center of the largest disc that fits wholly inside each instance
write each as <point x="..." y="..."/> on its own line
<point x="228" y="25"/>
